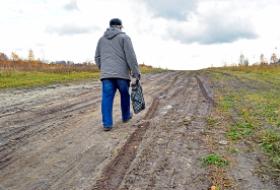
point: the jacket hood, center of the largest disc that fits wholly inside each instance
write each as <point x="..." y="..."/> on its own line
<point x="111" y="32"/>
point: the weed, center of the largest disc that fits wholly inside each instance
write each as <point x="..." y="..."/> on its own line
<point x="214" y="160"/>
<point x="211" y="122"/>
<point x="232" y="150"/>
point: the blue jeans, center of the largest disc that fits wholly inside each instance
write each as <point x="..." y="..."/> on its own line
<point x="109" y="87"/>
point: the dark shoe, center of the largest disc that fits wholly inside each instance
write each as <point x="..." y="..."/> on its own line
<point x="107" y="128"/>
<point x="131" y="115"/>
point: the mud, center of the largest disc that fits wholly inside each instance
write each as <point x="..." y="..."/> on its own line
<point x="169" y="154"/>
<point x="52" y="138"/>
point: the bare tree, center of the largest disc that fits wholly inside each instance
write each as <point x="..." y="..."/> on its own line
<point x="3" y="57"/>
<point x="15" y="56"/>
<point x="31" y="55"/>
<point x="242" y="59"/>
<point x="263" y="60"/>
<point x="246" y="62"/>
<point x="273" y="59"/>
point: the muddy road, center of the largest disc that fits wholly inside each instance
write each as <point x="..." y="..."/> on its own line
<point x="52" y="138"/>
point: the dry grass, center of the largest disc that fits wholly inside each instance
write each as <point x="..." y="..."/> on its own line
<point x="252" y="69"/>
<point x="22" y="65"/>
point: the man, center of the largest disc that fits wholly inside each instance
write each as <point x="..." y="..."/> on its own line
<point x="116" y="60"/>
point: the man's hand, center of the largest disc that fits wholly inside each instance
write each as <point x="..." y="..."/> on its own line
<point x="137" y="76"/>
<point x="133" y="81"/>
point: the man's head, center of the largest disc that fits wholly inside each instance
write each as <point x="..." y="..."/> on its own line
<point x="115" y="22"/>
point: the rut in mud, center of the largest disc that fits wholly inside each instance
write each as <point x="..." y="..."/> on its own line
<point x="51" y="137"/>
<point x="167" y="149"/>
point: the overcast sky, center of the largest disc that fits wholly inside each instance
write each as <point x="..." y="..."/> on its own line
<point x="174" y="34"/>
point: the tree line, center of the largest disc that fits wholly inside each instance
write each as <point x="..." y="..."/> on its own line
<point x="14" y="62"/>
<point x="274" y="60"/>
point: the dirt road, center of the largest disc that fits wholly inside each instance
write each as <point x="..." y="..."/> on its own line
<point x="52" y="138"/>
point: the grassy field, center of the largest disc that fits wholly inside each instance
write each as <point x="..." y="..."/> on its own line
<point x="33" y="78"/>
<point x="248" y="111"/>
<point x="149" y="69"/>
<point x="43" y="74"/>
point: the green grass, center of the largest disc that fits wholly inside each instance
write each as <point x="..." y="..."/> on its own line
<point x="270" y="142"/>
<point x="226" y="102"/>
<point x="30" y="79"/>
<point x="265" y="106"/>
<point x="214" y="160"/>
<point x="252" y="107"/>
<point x="240" y="130"/>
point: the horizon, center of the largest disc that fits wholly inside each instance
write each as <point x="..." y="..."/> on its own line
<point x="176" y="35"/>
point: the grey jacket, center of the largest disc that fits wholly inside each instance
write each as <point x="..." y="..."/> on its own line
<point x="115" y="56"/>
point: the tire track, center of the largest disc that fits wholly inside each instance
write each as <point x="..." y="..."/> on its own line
<point x="41" y="125"/>
<point x="113" y="174"/>
<point x="204" y="91"/>
<point x="62" y="149"/>
<point x="168" y="157"/>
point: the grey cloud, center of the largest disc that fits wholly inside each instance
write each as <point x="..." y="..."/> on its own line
<point x="70" y="29"/>
<point x="214" y="29"/>
<point x="71" y="6"/>
<point x="172" y="9"/>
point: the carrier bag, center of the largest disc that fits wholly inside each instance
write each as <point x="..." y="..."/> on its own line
<point x="137" y="97"/>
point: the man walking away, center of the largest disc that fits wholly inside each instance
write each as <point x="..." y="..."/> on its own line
<point x="116" y="59"/>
